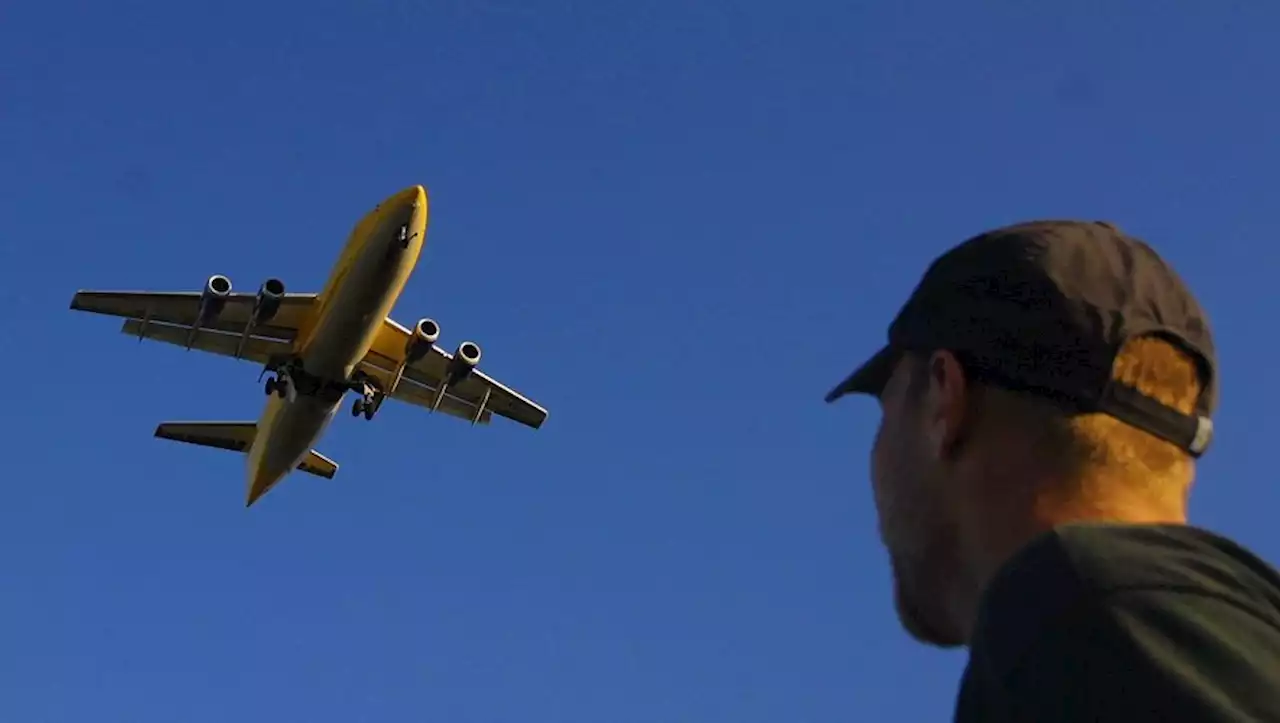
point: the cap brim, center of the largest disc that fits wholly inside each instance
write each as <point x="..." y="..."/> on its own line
<point x="869" y="378"/>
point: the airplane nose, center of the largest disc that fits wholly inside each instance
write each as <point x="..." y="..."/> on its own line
<point x="411" y="198"/>
<point x="417" y="194"/>
<point x="406" y="217"/>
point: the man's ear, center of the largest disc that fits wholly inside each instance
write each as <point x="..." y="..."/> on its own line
<point x="947" y="404"/>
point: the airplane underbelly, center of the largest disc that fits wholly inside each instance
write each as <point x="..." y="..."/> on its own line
<point x="286" y="432"/>
<point x="363" y="302"/>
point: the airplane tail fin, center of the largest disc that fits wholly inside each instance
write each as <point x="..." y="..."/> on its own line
<point x="237" y="437"/>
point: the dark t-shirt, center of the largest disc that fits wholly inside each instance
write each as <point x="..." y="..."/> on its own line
<point x="1112" y="622"/>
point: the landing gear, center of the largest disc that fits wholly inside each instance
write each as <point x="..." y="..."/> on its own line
<point x="278" y="386"/>
<point x="291" y="380"/>
<point x="364" y="407"/>
<point x="283" y="383"/>
<point x="370" y="399"/>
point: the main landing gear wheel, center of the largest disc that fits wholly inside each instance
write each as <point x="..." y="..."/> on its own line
<point x="364" y="407"/>
<point x="279" y="387"/>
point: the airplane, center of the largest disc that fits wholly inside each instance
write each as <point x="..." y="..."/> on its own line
<point x="319" y="346"/>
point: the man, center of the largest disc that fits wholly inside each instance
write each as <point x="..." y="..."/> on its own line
<point x="1045" y="392"/>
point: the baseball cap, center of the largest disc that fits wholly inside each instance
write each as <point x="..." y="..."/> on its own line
<point x="1043" y="307"/>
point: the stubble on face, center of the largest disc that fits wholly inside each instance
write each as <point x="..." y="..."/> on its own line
<point x="913" y="524"/>
<point x="919" y="607"/>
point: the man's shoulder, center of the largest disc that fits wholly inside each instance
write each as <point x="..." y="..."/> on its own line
<point x="1112" y="617"/>
<point x="1112" y="557"/>
<point x="1083" y="563"/>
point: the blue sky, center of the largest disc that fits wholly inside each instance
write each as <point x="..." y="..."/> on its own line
<point x="674" y="225"/>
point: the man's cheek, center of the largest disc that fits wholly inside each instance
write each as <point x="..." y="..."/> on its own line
<point x="880" y="492"/>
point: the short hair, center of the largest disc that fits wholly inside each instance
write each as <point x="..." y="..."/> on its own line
<point x="1158" y="369"/>
<point x="1086" y="445"/>
<point x="1088" y="448"/>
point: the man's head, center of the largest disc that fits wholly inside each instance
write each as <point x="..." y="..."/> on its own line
<point x="1040" y="373"/>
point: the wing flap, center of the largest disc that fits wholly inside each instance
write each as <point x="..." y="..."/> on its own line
<point x="421" y="396"/>
<point x="255" y="348"/>
<point x="181" y="308"/>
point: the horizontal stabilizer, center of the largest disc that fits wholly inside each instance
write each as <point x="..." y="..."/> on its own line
<point x="233" y="436"/>
<point x="237" y="437"/>
<point x="319" y="465"/>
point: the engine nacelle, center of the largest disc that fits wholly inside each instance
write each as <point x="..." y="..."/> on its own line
<point x="213" y="299"/>
<point x="270" y="294"/>
<point x="424" y="336"/>
<point x="465" y="359"/>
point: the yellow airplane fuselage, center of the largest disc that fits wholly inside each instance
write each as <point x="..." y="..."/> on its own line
<point x="348" y="314"/>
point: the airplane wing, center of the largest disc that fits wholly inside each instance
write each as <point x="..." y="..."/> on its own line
<point x="168" y="316"/>
<point x="421" y="379"/>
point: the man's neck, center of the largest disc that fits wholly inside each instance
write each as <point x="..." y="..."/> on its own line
<point x="987" y="550"/>
<point x="992" y="539"/>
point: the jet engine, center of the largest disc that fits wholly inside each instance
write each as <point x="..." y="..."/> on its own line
<point x="425" y="333"/>
<point x="465" y="359"/>
<point x="419" y="344"/>
<point x="268" y="302"/>
<point x="213" y="299"/>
